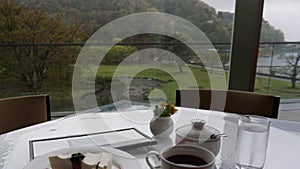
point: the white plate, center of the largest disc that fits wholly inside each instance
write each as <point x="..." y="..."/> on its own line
<point x="121" y="159"/>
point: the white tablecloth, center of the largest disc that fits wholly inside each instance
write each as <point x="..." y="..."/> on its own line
<point x="283" y="151"/>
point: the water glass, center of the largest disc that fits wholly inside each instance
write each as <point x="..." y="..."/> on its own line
<point x="252" y="142"/>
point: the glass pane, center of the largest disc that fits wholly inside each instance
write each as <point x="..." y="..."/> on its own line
<point x="39" y="51"/>
<point x="278" y="64"/>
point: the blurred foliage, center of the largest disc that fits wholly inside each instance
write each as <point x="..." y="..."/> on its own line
<point x="26" y="66"/>
<point x="116" y="54"/>
<point x="268" y="32"/>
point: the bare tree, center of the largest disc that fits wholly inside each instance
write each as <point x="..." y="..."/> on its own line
<point x="292" y="69"/>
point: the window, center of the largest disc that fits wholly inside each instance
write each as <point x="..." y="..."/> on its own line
<point x="37" y="59"/>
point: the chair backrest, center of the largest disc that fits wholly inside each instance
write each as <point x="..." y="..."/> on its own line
<point x="19" y="112"/>
<point x="231" y="101"/>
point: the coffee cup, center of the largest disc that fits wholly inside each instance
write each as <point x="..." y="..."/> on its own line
<point x="183" y="157"/>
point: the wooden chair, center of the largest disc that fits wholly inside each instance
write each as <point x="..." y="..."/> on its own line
<point x="19" y="112"/>
<point x="231" y="101"/>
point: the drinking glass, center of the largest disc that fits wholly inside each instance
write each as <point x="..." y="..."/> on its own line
<point x="252" y="142"/>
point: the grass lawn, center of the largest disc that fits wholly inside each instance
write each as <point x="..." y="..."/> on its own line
<point x="277" y="87"/>
<point x="168" y="83"/>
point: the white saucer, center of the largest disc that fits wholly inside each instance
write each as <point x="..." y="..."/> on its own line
<point x="121" y="159"/>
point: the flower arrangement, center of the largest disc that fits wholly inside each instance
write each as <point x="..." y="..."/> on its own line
<point x="164" y="109"/>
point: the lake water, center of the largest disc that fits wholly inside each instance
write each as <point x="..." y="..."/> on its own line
<point x="266" y="61"/>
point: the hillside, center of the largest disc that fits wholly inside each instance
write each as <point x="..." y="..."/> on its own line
<point x="96" y="13"/>
<point x="268" y="32"/>
<point x="93" y="13"/>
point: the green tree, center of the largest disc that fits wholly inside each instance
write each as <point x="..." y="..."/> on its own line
<point x="268" y="32"/>
<point x="119" y="52"/>
<point x="197" y="12"/>
<point x="164" y="42"/>
<point x="26" y="63"/>
<point x="94" y="13"/>
<point x="179" y="49"/>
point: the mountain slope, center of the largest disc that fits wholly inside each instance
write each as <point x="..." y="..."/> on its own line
<point x="96" y="13"/>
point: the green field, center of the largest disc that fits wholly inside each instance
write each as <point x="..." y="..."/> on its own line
<point x="278" y="87"/>
<point x="61" y="98"/>
<point x="169" y="85"/>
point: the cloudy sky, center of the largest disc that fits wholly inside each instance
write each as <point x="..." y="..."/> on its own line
<point x="282" y="14"/>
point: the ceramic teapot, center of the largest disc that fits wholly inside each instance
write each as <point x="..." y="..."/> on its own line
<point x="199" y="134"/>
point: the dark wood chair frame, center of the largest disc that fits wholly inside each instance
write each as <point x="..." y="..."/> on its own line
<point x="11" y="111"/>
<point x="231" y="101"/>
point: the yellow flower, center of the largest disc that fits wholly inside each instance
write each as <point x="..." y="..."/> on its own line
<point x="165" y="109"/>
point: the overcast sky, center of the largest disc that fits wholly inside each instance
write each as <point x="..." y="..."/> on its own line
<point x="282" y="14"/>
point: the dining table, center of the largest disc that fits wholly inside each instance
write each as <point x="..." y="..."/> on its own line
<point x="76" y="132"/>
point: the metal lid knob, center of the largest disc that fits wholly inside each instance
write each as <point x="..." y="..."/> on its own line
<point x="198" y="124"/>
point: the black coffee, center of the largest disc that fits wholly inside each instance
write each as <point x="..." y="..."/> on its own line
<point x="186" y="160"/>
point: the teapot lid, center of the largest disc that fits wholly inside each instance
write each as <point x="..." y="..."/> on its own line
<point x="197" y="131"/>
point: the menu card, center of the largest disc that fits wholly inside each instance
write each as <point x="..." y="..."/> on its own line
<point x="127" y="138"/>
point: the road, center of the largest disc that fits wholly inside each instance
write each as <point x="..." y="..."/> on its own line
<point x="290" y="110"/>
